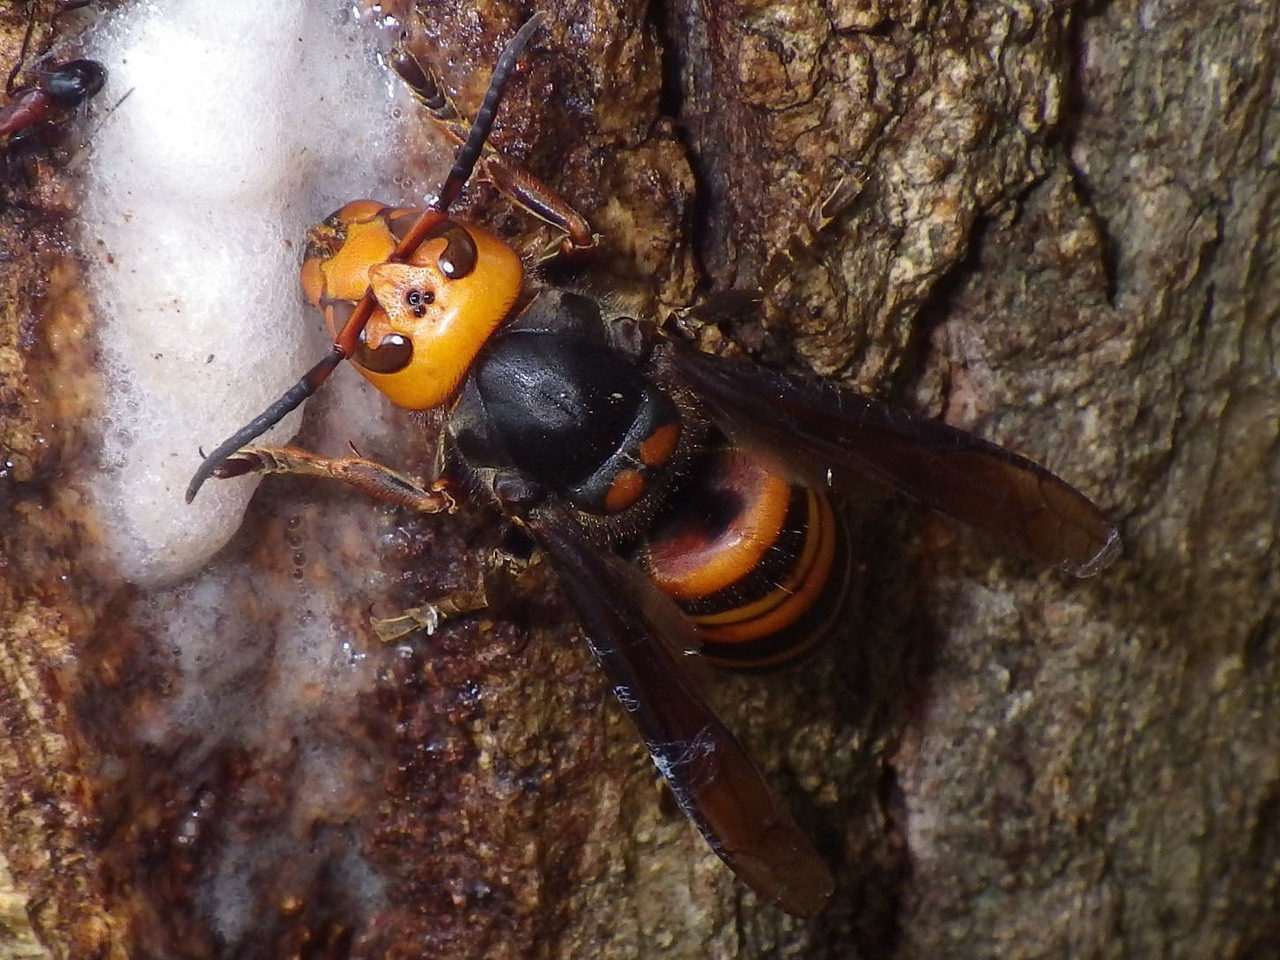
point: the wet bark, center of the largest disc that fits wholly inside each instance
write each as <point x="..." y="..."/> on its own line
<point x="1063" y="237"/>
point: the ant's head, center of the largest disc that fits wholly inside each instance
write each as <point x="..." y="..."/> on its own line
<point x="74" y="82"/>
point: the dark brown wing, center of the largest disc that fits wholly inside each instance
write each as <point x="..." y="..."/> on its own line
<point x="712" y="778"/>
<point x="1013" y="500"/>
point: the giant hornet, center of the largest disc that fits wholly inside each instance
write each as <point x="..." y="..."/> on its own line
<point x="680" y="496"/>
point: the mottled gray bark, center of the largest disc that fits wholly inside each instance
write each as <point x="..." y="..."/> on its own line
<point x="1065" y="240"/>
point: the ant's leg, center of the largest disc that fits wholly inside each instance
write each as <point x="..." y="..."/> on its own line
<point x="370" y="477"/>
<point x="22" y="54"/>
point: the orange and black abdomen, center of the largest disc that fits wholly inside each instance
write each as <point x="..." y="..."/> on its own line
<point x="759" y="564"/>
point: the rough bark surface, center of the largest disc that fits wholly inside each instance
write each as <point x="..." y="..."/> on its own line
<point x="1063" y="236"/>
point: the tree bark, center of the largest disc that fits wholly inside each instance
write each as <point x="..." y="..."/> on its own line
<point x="1063" y="237"/>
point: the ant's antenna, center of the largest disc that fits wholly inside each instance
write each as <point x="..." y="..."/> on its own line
<point x="350" y="333"/>
<point x="22" y="53"/>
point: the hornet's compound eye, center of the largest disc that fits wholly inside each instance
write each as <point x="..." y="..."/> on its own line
<point x="391" y="355"/>
<point x="459" y="257"/>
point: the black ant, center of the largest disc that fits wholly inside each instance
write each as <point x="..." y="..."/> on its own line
<point x="60" y="89"/>
<point x="57" y="90"/>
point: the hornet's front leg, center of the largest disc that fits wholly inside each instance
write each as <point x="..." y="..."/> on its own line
<point x="525" y="190"/>
<point x="368" y="476"/>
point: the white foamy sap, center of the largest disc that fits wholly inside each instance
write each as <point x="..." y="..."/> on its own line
<point x="243" y="124"/>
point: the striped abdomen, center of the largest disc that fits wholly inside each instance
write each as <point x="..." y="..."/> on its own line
<point x="759" y="564"/>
